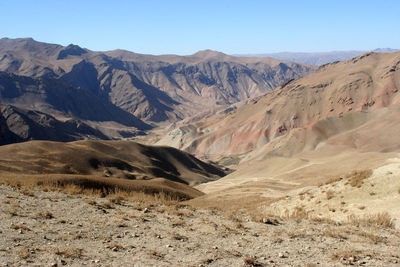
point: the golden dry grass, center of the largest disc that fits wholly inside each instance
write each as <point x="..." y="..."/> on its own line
<point x="20" y="227"/>
<point x="69" y="252"/>
<point x="330" y="194"/>
<point x="356" y="178"/>
<point x="380" y="220"/>
<point x="251" y="261"/>
<point x="117" y="189"/>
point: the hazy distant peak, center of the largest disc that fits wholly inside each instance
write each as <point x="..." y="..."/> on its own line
<point x="385" y="50"/>
<point x="318" y="58"/>
<point x="208" y="53"/>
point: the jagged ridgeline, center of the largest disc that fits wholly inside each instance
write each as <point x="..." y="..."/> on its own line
<point x="129" y="91"/>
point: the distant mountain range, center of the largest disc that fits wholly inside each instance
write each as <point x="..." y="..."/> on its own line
<point x="318" y="58"/>
<point x="121" y="93"/>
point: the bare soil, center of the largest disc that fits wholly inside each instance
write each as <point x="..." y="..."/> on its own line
<point x="40" y="228"/>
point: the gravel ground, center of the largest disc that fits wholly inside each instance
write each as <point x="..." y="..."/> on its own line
<point x="41" y="228"/>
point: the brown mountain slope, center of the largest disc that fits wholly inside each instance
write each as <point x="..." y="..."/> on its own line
<point x="342" y="118"/>
<point x="302" y="113"/>
<point x="153" y="88"/>
<point x="119" y="159"/>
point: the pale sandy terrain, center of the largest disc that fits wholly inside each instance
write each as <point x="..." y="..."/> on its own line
<point x="337" y="200"/>
<point x="54" y="229"/>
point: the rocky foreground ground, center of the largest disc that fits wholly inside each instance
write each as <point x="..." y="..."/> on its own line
<point x="40" y="228"/>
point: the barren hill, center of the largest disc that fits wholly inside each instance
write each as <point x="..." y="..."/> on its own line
<point x="119" y="159"/>
<point x="303" y="113"/>
<point x="342" y="118"/>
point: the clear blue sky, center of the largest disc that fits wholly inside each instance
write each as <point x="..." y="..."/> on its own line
<point x="184" y="27"/>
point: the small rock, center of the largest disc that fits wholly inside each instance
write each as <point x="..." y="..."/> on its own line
<point x="54" y="264"/>
<point x="146" y="210"/>
<point x="282" y="255"/>
<point x="168" y="246"/>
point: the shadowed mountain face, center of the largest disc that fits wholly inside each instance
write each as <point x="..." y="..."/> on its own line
<point x="153" y="88"/>
<point x="18" y="125"/>
<point x="55" y="96"/>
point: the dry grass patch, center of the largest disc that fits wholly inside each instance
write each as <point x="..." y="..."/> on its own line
<point x="179" y="237"/>
<point x="252" y="261"/>
<point x="178" y="223"/>
<point x="330" y="194"/>
<point x="356" y="178"/>
<point x="20" y="227"/>
<point x="333" y="180"/>
<point x="380" y="219"/>
<point x="299" y="213"/>
<point x="376" y="239"/>
<point x="69" y="252"/>
<point x="348" y="256"/>
<point x="45" y="215"/>
<point x="23" y="253"/>
<point x="13" y="211"/>
<point x="155" y="254"/>
<point x="336" y="233"/>
<point x="115" y="247"/>
<point x="158" y="190"/>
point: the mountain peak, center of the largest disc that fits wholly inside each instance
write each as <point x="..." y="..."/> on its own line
<point x="208" y="53"/>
